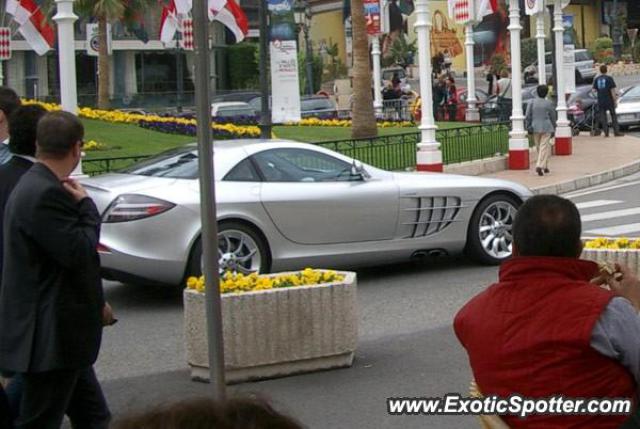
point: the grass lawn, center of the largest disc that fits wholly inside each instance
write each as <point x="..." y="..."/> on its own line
<point x="128" y="140"/>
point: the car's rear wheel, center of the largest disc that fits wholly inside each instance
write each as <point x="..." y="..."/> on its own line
<point x="490" y="233"/>
<point x="240" y="249"/>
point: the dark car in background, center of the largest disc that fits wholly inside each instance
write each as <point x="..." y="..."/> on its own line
<point x="311" y="106"/>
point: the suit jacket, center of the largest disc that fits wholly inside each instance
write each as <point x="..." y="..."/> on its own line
<point x="51" y="298"/>
<point x="10" y="173"/>
<point x="541" y="116"/>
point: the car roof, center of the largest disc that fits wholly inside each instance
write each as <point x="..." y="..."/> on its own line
<point x="230" y="104"/>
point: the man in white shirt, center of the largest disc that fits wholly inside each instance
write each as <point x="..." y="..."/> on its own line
<point x="9" y="101"/>
<point x="503" y="90"/>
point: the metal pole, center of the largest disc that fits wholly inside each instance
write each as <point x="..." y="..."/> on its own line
<point x="207" y="200"/>
<point x="179" y="74"/>
<point x="64" y="19"/>
<point x="542" y="78"/>
<point x="309" y="60"/>
<point x="265" y="113"/>
<point x="1" y="73"/>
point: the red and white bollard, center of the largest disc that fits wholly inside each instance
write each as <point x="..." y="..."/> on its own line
<point x="563" y="130"/>
<point x="518" y="152"/>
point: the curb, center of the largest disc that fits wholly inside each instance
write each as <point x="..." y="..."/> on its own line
<point x="589" y="181"/>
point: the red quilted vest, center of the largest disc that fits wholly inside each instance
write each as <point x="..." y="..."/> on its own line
<point x="530" y="334"/>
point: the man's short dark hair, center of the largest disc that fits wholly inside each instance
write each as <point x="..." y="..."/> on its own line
<point x="542" y="91"/>
<point x="22" y="129"/>
<point x="547" y="225"/>
<point x="57" y="134"/>
<point x="9" y="100"/>
<point x="603" y="69"/>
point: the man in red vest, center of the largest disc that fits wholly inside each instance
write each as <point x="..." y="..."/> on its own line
<point x="547" y="329"/>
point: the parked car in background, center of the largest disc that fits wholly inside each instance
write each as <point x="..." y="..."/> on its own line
<point x="314" y="106"/>
<point x="491" y="110"/>
<point x="628" y="109"/>
<point x="285" y="205"/>
<point x="481" y="97"/>
<point x="244" y="96"/>
<point x="584" y="66"/>
<point x="232" y="110"/>
<point x="389" y="72"/>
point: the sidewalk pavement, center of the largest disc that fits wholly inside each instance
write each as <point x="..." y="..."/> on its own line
<point x="595" y="160"/>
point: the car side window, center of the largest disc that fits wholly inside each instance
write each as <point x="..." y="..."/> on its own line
<point x="243" y="172"/>
<point x="301" y="165"/>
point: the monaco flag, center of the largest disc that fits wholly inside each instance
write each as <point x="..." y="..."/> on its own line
<point x="168" y="23"/>
<point x="484" y="8"/>
<point x="32" y="24"/>
<point x="231" y="15"/>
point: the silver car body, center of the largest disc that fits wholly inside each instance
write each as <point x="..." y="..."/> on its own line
<point x="628" y="109"/>
<point x="320" y="224"/>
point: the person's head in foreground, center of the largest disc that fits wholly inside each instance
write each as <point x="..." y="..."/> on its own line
<point x="542" y="91"/>
<point x="547" y="225"/>
<point x="59" y="141"/>
<point x="9" y="101"/>
<point x="547" y="329"/>
<point x="205" y="413"/>
<point x="22" y="129"/>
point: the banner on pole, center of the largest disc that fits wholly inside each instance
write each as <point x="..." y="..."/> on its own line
<point x="93" y="42"/>
<point x="569" y="69"/>
<point x="533" y="7"/>
<point x="5" y="43"/>
<point x="285" y="83"/>
<point x="186" y="41"/>
<point x="461" y="11"/>
<point x="372" y="17"/>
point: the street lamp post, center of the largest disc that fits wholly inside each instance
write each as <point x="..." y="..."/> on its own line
<point x="563" y="130"/>
<point x="518" y="141"/>
<point x="429" y="155"/>
<point x="179" y="73"/>
<point x="265" y="113"/>
<point x="540" y="37"/>
<point x="64" y="19"/>
<point x="472" y="114"/>
<point x="302" y="17"/>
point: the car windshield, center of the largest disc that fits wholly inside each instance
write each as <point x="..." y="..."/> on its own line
<point x="235" y="111"/>
<point x="583" y="56"/>
<point x="388" y="74"/>
<point x="315" y="104"/>
<point x="179" y="163"/>
<point x="633" y="92"/>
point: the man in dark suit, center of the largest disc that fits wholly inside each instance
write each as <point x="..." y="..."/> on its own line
<point x="22" y="126"/>
<point x="52" y="307"/>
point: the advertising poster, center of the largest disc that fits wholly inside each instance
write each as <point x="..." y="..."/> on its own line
<point x="372" y="16"/>
<point x="285" y="83"/>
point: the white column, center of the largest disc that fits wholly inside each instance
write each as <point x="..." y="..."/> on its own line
<point x="376" y="54"/>
<point x="472" y="113"/>
<point x="518" y="141"/>
<point x="542" y="78"/>
<point x="64" y="19"/>
<point x="563" y="131"/>
<point x="1" y="73"/>
<point x="429" y="156"/>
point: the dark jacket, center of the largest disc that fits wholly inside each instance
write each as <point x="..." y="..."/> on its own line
<point x="10" y="173"/>
<point x="51" y="299"/>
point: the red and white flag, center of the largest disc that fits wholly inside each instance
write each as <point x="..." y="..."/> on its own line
<point x="485" y="7"/>
<point x="168" y="23"/>
<point x="32" y="24"/>
<point x="231" y="15"/>
<point x="183" y="7"/>
<point x="460" y="11"/>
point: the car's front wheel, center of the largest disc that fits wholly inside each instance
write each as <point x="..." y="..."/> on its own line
<point x="490" y="233"/>
<point x="240" y="249"/>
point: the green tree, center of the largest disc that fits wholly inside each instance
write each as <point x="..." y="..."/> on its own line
<point x="363" y="117"/>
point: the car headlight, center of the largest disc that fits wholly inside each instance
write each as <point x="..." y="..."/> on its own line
<point x="130" y="207"/>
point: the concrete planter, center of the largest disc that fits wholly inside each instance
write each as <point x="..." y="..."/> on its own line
<point x="277" y="332"/>
<point x="627" y="257"/>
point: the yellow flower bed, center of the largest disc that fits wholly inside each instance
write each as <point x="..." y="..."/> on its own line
<point x="345" y="123"/>
<point x="612" y="244"/>
<point x="238" y="282"/>
<point x="118" y="117"/>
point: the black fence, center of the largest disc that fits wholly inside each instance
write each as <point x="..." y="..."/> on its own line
<point x="390" y="152"/>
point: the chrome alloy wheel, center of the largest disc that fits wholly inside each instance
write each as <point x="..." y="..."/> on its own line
<point x="495" y="229"/>
<point x="238" y="252"/>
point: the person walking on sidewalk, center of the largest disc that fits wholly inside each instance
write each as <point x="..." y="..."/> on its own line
<point x="607" y="101"/>
<point x="540" y="120"/>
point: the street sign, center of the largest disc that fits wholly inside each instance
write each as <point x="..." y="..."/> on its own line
<point x="93" y="39"/>
<point x="5" y="43"/>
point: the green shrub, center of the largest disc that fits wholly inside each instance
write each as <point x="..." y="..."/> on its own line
<point x="498" y="63"/>
<point x="529" y="50"/>
<point x="603" y="49"/>
<point x="316" y="72"/>
<point x="242" y="65"/>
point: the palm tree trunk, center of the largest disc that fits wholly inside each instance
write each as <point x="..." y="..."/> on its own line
<point x="103" y="64"/>
<point x="364" y="119"/>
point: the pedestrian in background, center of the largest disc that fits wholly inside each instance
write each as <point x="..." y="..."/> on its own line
<point x="504" y="93"/>
<point x="607" y="101"/>
<point x="52" y="307"/>
<point x="9" y="101"/>
<point x="452" y="98"/>
<point x="439" y="98"/>
<point x="22" y="144"/>
<point x="540" y="121"/>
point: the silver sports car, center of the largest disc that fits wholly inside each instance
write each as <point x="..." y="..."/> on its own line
<point x="286" y="205"/>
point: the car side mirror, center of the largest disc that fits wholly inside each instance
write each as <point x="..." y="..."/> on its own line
<point x="358" y="172"/>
